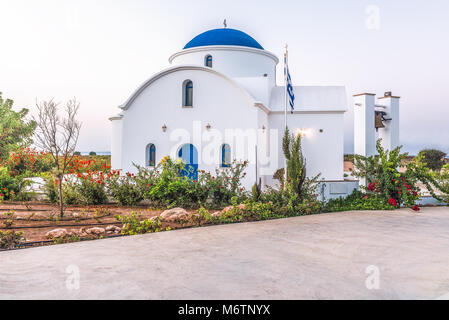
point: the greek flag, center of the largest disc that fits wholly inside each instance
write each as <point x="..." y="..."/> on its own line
<point x="290" y="94"/>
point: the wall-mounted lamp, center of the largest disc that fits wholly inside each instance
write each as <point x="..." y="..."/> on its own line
<point x="304" y="132"/>
<point x="164" y="128"/>
<point x="208" y="126"/>
<point x="263" y="128"/>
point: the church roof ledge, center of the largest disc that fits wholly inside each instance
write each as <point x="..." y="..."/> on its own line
<point x="175" y="68"/>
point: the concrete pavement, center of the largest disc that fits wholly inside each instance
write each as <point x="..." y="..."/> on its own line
<point x="326" y="256"/>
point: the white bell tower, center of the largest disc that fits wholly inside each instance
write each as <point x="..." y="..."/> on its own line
<point x="390" y="133"/>
<point x="365" y="134"/>
<point x="364" y="130"/>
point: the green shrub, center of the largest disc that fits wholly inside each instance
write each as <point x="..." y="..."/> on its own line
<point x="86" y="189"/>
<point x="443" y="180"/>
<point x="11" y="188"/>
<point x="358" y="200"/>
<point x="280" y="175"/>
<point x="382" y="173"/>
<point x="167" y="185"/>
<point x="259" y="210"/>
<point x="433" y="159"/>
<point x="50" y="189"/>
<point x="134" y="224"/>
<point x="126" y="190"/>
<point x="90" y="192"/>
<point x="15" y="129"/>
<point x="298" y="185"/>
<point x="10" y="239"/>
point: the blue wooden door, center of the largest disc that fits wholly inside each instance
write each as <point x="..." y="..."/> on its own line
<point x="189" y="155"/>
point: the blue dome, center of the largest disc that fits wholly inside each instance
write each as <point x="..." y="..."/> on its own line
<point x="224" y="37"/>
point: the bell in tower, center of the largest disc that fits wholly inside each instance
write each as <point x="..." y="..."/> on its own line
<point x="378" y="120"/>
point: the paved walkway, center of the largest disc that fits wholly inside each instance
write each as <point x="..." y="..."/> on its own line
<point x="314" y="257"/>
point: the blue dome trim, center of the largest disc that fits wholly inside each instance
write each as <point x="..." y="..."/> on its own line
<point x="223" y="37"/>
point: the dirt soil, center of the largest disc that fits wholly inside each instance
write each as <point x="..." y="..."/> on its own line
<point x="35" y="219"/>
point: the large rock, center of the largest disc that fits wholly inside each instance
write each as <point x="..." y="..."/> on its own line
<point x="113" y="229"/>
<point x="227" y="209"/>
<point x="76" y="215"/>
<point x="241" y="206"/>
<point x="56" y="233"/>
<point x="40" y="215"/>
<point x="174" y="214"/>
<point x="95" y="230"/>
<point x="82" y="232"/>
<point x="216" y="214"/>
<point x="73" y="232"/>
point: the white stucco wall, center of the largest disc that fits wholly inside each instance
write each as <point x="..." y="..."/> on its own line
<point x="216" y="101"/>
<point x="323" y="150"/>
<point x="116" y="142"/>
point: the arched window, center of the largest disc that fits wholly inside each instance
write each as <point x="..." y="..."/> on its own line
<point x="187" y="93"/>
<point x="189" y="155"/>
<point x="208" y="61"/>
<point x="151" y="155"/>
<point x="225" y="156"/>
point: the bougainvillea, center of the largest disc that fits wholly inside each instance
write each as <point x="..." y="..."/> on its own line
<point x="392" y="202"/>
<point x="384" y="177"/>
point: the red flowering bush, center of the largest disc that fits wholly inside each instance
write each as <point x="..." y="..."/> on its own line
<point x="22" y="163"/>
<point x="80" y="164"/>
<point x="372" y="186"/>
<point x="10" y="187"/>
<point x="127" y="189"/>
<point x="84" y="184"/>
<point x="91" y="188"/>
<point x="397" y="188"/>
<point x="27" y="162"/>
<point x="358" y="200"/>
<point x="392" y="202"/>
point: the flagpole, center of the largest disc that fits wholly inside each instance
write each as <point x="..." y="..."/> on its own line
<point x="285" y="109"/>
<point x="285" y="84"/>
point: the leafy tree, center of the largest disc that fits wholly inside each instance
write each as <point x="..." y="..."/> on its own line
<point x="433" y="159"/>
<point x="58" y="137"/>
<point x="92" y="153"/>
<point x="15" y="130"/>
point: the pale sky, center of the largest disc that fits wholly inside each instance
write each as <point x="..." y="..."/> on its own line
<point x="101" y="51"/>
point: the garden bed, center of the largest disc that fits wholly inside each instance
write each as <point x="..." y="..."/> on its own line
<point x="35" y="219"/>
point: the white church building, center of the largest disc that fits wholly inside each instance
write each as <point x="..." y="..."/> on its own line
<point x="220" y="100"/>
